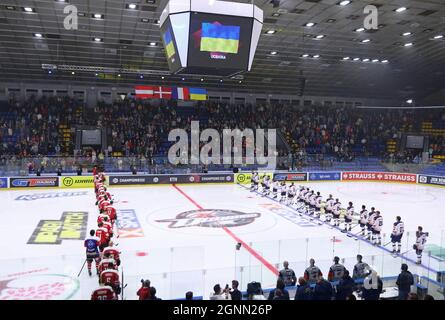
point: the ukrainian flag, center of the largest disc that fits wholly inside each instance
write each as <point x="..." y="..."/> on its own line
<point x="169" y="46"/>
<point x="219" y="38"/>
<point x="198" y="94"/>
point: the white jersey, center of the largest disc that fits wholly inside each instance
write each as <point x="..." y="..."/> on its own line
<point x="256" y="178"/>
<point x="302" y="194"/>
<point x="420" y="240"/>
<point x="312" y="199"/>
<point x="398" y="228"/>
<point x="364" y="216"/>
<point x="283" y="189"/>
<point x="371" y="217"/>
<point x="350" y="212"/>
<point x="337" y="207"/>
<point x="292" y="191"/>
<point x="276" y="185"/>
<point x="267" y="183"/>
<point x="318" y="202"/>
<point x="330" y="203"/>
<point x="378" y="223"/>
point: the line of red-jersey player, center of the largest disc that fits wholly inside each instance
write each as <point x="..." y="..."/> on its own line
<point x="100" y="247"/>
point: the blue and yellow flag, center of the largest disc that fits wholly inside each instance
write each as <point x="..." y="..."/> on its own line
<point x="198" y="94"/>
<point x="219" y="38"/>
<point x="169" y="46"/>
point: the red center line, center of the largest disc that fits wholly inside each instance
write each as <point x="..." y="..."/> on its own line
<point x="267" y="264"/>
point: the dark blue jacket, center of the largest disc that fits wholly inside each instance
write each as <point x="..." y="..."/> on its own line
<point x="285" y="295"/>
<point x="344" y="288"/>
<point x="323" y="291"/>
<point x="304" y="293"/>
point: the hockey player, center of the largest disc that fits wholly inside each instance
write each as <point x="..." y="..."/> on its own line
<point x="336" y="209"/>
<point x="337" y="270"/>
<point x="370" y="223"/>
<point x="291" y="193"/>
<point x="275" y="187"/>
<point x="113" y="253"/>
<point x="92" y="244"/>
<point x="254" y="181"/>
<point x="312" y="273"/>
<point x="312" y="199"/>
<point x="111" y="212"/>
<point x="396" y="235"/>
<point x="102" y="234"/>
<point x="363" y="220"/>
<point x="283" y="191"/>
<point x="361" y="269"/>
<point x="420" y="243"/>
<point x="107" y="225"/>
<point x="317" y="204"/>
<point x="266" y="185"/>
<point x="348" y="217"/>
<point x="329" y="207"/>
<point x="111" y="277"/>
<point x="107" y="263"/>
<point x="104" y="292"/>
<point x="377" y="228"/>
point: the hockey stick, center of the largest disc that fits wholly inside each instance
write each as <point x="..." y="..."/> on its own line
<point x="82" y="268"/>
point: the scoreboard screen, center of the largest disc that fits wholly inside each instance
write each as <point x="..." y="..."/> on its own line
<point x="218" y="41"/>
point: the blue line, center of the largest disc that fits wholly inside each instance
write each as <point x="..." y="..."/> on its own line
<point x="359" y="238"/>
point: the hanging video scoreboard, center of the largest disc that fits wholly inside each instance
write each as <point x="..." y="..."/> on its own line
<point x="210" y="37"/>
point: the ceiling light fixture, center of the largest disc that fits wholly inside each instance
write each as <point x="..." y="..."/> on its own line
<point x="344" y="3"/>
<point x="309" y="24"/>
<point x="271" y="31"/>
<point x="401" y="9"/>
<point x="320" y="36"/>
<point x="440" y="36"/>
<point x="366" y="40"/>
<point x="359" y="30"/>
<point x="407" y="34"/>
<point x="409" y="44"/>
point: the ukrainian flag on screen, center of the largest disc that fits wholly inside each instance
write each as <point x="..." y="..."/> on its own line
<point x="198" y="94"/>
<point x="169" y="46"/>
<point x="218" y="38"/>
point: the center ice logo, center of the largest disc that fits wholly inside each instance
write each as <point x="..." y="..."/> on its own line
<point x="211" y="218"/>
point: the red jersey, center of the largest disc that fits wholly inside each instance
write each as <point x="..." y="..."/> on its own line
<point x="103" y="204"/>
<point x="110" y="276"/>
<point x="111" y="212"/>
<point x="108" y="226"/>
<point x="102" y="234"/>
<point x="114" y="253"/>
<point x="101" y="217"/>
<point x="103" y="293"/>
<point x="107" y="264"/>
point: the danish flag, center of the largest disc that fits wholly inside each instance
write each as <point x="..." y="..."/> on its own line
<point x="163" y="93"/>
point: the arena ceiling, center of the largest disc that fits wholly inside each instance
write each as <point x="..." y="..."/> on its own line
<point x="412" y="71"/>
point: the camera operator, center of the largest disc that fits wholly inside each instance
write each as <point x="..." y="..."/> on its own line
<point x="144" y="291"/>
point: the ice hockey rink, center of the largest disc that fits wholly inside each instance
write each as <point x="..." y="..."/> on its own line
<point x="183" y="238"/>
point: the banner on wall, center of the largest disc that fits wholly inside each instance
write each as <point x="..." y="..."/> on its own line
<point x="3" y="183"/>
<point x="324" y="176"/>
<point x="379" y="176"/>
<point x="171" y="179"/>
<point x="290" y="176"/>
<point x="37" y="182"/>
<point x="434" y="180"/>
<point x="246" y="178"/>
<point x="77" y="182"/>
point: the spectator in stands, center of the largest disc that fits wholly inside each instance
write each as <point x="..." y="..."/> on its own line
<point x="189" y="295"/>
<point x="345" y="287"/>
<point x="235" y="293"/>
<point x="351" y="297"/>
<point x="323" y="290"/>
<point x="220" y="294"/>
<point x="304" y="291"/>
<point x="283" y="292"/>
<point x="287" y="275"/>
<point x="428" y="297"/>
<point x="404" y="282"/>
<point x="144" y="291"/>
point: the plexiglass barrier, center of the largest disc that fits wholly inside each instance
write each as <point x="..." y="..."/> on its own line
<point x="174" y="271"/>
